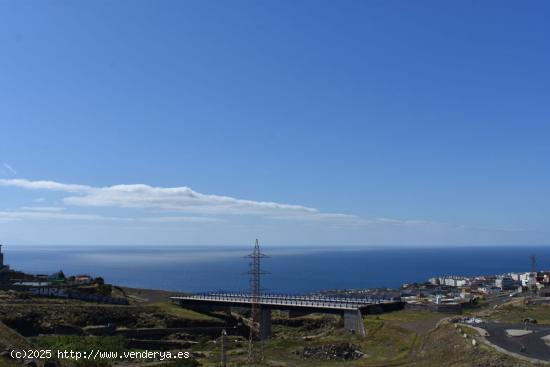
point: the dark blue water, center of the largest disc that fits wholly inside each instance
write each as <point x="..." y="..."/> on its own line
<point x="293" y="270"/>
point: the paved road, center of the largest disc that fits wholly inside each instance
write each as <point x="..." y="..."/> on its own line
<point x="535" y="347"/>
<point x="500" y="300"/>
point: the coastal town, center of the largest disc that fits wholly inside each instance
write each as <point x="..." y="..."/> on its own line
<point x="453" y="293"/>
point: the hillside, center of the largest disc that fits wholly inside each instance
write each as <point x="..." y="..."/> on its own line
<point x="400" y="338"/>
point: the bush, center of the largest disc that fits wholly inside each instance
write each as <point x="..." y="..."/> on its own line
<point x="104" y="289"/>
<point x="99" y="281"/>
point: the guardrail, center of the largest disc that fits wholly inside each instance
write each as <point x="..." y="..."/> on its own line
<point x="355" y="300"/>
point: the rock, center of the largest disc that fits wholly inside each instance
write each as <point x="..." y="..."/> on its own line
<point x="332" y="352"/>
<point x="5" y="354"/>
<point x="30" y="363"/>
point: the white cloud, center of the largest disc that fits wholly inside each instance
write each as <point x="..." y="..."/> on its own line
<point x="319" y="216"/>
<point x="52" y="215"/>
<point x="157" y="208"/>
<point x="181" y="219"/>
<point x="185" y="200"/>
<point x="43" y="208"/>
<point x="9" y="169"/>
<point x="44" y="185"/>
<point x="179" y="199"/>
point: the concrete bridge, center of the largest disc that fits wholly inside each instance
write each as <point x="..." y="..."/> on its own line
<point x="351" y="309"/>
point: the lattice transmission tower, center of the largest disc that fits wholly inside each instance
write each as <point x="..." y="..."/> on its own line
<point x="223" y="353"/>
<point x="255" y="350"/>
<point x="533" y="276"/>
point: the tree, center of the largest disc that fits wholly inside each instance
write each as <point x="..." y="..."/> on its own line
<point x="99" y="281"/>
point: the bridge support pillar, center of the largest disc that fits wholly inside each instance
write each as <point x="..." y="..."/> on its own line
<point x="265" y="324"/>
<point x="353" y="321"/>
<point x="227" y="311"/>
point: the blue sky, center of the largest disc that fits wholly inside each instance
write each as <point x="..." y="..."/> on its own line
<point x="376" y="123"/>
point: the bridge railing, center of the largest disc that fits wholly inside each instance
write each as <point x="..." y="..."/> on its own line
<point x="354" y="300"/>
<point x="288" y="300"/>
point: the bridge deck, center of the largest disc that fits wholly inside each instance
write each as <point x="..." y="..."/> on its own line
<point x="317" y="302"/>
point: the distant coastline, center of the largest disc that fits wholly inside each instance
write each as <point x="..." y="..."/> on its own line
<point x="295" y="270"/>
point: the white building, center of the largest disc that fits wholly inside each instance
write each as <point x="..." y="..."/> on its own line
<point x="453" y="281"/>
<point x="3" y="267"/>
<point x="526" y="279"/>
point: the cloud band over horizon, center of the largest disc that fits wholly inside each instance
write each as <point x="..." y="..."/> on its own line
<point x="144" y="206"/>
<point x="174" y="199"/>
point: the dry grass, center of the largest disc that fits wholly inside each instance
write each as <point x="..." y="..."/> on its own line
<point x="182" y="313"/>
<point x="389" y="343"/>
<point x="518" y="312"/>
<point x="9" y="337"/>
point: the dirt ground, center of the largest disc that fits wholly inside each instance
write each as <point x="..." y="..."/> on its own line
<point x="423" y="326"/>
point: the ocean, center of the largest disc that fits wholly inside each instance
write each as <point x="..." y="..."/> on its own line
<point x="291" y="269"/>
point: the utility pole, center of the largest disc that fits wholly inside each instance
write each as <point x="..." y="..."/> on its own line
<point x="255" y="350"/>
